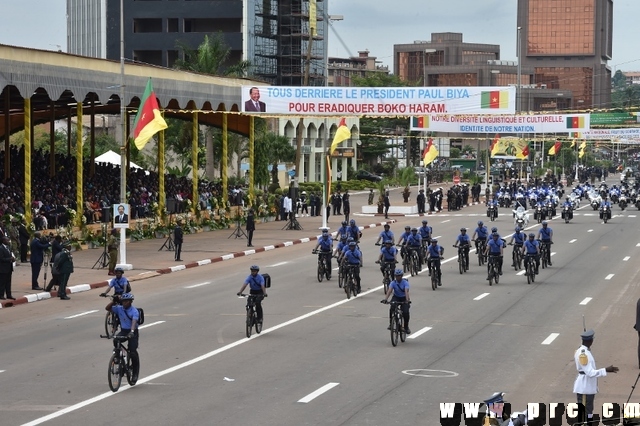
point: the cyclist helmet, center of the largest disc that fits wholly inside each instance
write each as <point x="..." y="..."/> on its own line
<point x="495" y="235"/>
<point x="398" y="272"/>
<point x="254" y="268"/>
<point x="517" y="229"/>
<point x="463" y="229"/>
<point x="325" y="233"/>
<point x="386" y="225"/>
<point x="344" y="223"/>
<point x="407" y="227"/>
<point x="388" y="242"/>
<point x="126" y="296"/>
<point x="424" y="222"/>
<point x="480" y="223"/>
<point x="352" y="222"/>
<point x="434" y="241"/>
<point x="352" y="244"/>
<point x="414" y="229"/>
<point x="532" y="235"/>
<point x="119" y="269"/>
<point x="350" y="239"/>
<point x="494" y="230"/>
<point x="544" y="223"/>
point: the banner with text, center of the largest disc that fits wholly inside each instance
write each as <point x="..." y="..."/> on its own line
<point x="504" y="124"/>
<point x="378" y="101"/>
<point x="624" y="134"/>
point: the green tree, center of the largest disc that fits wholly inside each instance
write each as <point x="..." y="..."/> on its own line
<point x="454" y="153"/>
<point x="278" y="149"/>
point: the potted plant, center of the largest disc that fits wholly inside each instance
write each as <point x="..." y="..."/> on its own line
<point x="406" y="177"/>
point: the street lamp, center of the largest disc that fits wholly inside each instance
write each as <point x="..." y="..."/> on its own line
<point x="519" y="88"/>
<point x="424" y="66"/>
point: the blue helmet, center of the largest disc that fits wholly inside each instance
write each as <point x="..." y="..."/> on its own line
<point x="398" y="272"/>
<point x="480" y="223"/>
<point x="352" y="222"/>
<point x="352" y="244"/>
<point x="254" y="268"/>
<point x="126" y="296"/>
<point x="494" y="229"/>
<point x="517" y="229"/>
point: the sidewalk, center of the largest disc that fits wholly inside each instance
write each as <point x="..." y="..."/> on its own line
<point x="198" y="249"/>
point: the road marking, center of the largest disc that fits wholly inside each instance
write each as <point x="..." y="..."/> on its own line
<point x="318" y="392"/>
<point x="2" y="371"/>
<point x="199" y="285"/>
<point x="553" y="253"/>
<point x="608" y="277"/>
<point x="638" y="245"/>
<point x="626" y="258"/>
<point x="418" y="333"/>
<point x="82" y="314"/>
<point x="572" y="241"/>
<point x="522" y="272"/>
<point x="277" y="264"/>
<point x="550" y="339"/>
<point x="439" y="236"/>
<point x="482" y="296"/>
<point x="586" y="300"/>
<point x="632" y="215"/>
<point x="150" y="325"/>
<point x="590" y="230"/>
<point x="445" y="221"/>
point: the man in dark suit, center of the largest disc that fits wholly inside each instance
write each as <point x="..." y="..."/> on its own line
<point x="178" y="236"/>
<point x="6" y="269"/>
<point x="23" y="234"/>
<point x="121" y="217"/>
<point x="254" y="104"/>
<point x="38" y="246"/>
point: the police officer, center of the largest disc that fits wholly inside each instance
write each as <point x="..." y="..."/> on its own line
<point x="414" y="242"/>
<point x="434" y="253"/>
<point x="495" y="248"/>
<point x="129" y="317"/>
<point x="400" y="290"/>
<point x="545" y="234"/>
<point x="119" y="284"/>
<point x="425" y="232"/>
<point x="421" y="202"/>
<point x="518" y="239"/>
<point x="385" y="235"/>
<point x="480" y="234"/>
<point x="325" y="243"/>
<point x="353" y="256"/>
<point x="464" y="241"/>
<point x="531" y="250"/>
<point x="496" y="416"/>
<point x="388" y="255"/>
<point x="256" y="284"/>
<point x="586" y="384"/>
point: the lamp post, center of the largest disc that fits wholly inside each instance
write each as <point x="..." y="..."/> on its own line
<point x="519" y="87"/>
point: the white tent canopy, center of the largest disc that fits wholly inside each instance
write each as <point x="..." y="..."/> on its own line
<point x="113" y="158"/>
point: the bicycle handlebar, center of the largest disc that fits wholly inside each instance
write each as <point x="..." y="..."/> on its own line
<point x="252" y="295"/>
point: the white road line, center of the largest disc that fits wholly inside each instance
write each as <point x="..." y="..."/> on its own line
<point x="2" y="371"/>
<point x="277" y="264"/>
<point x="632" y="215"/>
<point x="150" y="325"/>
<point x="553" y="253"/>
<point x="608" y="277"/>
<point x="313" y="395"/>
<point x="550" y="339"/>
<point x="626" y="258"/>
<point x="82" y="314"/>
<point x="439" y="236"/>
<point x="482" y="296"/>
<point x="638" y="245"/>
<point x="586" y="300"/>
<point x="199" y="285"/>
<point x="521" y="272"/>
<point x="418" y="333"/>
<point x="572" y="241"/>
<point x="445" y="221"/>
<point x="590" y="230"/>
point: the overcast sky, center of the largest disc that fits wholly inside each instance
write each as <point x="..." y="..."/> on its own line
<point x="375" y="25"/>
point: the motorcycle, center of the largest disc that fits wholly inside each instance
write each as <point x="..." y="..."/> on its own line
<point x="492" y="212"/>
<point x="622" y="202"/>
<point x="551" y="211"/>
<point x="567" y="213"/>
<point x="605" y="213"/>
<point x="521" y="217"/>
<point x="539" y="213"/>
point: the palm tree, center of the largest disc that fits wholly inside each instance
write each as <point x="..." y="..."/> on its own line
<point x="275" y="149"/>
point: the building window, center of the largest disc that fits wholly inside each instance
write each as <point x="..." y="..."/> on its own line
<point x="172" y="25"/>
<point x="147" y="25"/>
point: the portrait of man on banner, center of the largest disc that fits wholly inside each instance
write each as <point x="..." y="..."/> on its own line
<point x="121" y="215"/>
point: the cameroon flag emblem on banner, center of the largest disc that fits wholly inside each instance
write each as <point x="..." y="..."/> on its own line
<point x="497" y="99"/>
<point x="575" y="122"/>
<point x="420" y="122"/>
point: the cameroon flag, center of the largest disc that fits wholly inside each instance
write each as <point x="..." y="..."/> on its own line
<point x="494" y="145"/>
<point x="430" y="153"/>
<point x="148" y="120"/>
<point x="575" y="122"/>
<point x="495" y="99"/>
<point x="524" y="153"/>
<point x="420" y="122"/>
<point x="555" y="148"/>
<point x="342" y="134"/>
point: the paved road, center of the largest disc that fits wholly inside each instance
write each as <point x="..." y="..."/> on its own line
<point x="197" y="367"/>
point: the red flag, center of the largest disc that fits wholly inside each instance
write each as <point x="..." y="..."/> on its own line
<point x="555" y="148"/>
<point x="148" y="121"/>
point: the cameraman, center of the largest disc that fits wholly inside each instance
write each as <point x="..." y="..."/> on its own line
<point x="38" y="245"/>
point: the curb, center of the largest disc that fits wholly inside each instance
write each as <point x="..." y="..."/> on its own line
<point x="30" y="298"/>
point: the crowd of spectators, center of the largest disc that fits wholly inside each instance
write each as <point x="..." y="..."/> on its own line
<point x="52" y="197"/>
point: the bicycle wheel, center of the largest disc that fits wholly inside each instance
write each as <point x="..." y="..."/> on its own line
<point x="115" y="372"/>
<point x="491" y="274"/>
<point x="111" y="324"/>
<point x="395" y="329"/>
<point x="320" y="272"/>
<point x="340" y="277"/>
<point x="347" y="285"/>
<point x="533" y="272"/>
<point x="414" y="263"/>
<point x="403" y="333"/>
<point x="130" y="372"/>
<point x="496" y="275"/>
<point x="461" y="264"/>
<point x="529" y="274"/>
<point x="385" y="284"/>
<point x="258" y="325"/>
<point x="434" y="279"/>
<point x="354" y="287"/>
<point x="544" y="260"/>
<point x="249" y="323"/>
<point x="518" y="261"/>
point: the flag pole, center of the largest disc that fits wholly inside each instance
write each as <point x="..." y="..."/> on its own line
<point x="123" y="144"/>
<point x="324" y="172"/>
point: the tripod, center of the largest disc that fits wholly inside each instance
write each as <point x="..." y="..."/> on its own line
<point x="103" y="260"/>
<point x="238" y="232"/>
<point x="292" y="223"/>
<point x="168" y="243"/>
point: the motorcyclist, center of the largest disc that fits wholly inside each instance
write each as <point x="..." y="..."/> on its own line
<point x="464" y="242"/>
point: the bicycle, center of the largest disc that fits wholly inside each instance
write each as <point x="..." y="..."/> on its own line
<point x="463" y="262"/>
<point x="252" y="315"/>
<point x="342" y="274"/>
<point x="517" y="256"/>
<point x="120" y="364"/>
<point x="396" y="321"/>
<point x="436" y="273"/>
<point x="323" y="266"/>
<point x="480" y="249"/>
<point x="494" y="274"/>
<point x="530" y="268"/>
<point x="414" y="261"/>
<point x="387" y="274"/>
<point x="111" y="320"/>
<point x="350" y="285"/>
<point x="545" y="254"/>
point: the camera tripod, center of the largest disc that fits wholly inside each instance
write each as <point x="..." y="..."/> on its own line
<point x="238" y="232"/>
<point x="168" y="243"/>
<point x="292" y="223"/>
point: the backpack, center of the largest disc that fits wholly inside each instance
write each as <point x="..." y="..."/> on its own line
<point x="140" y="316"/>
<point x="267" y="280"/>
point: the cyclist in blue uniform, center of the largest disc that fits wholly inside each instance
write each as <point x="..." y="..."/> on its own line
<point x="464" y="241"/>
<point x="434" y="253"/>
<point x="129" y="317"/>
<point x="545" y="235"/>
<point x="518" y="239"/>
<point x="344" y="229"/>
<point x="531" y="250"/>
<point x="495" y="248"/>
<point x="480" y="234"/>
<point x="414" y="242"/>
<point x="255" y="281"/>
<point x="388" y="255"/>
<point x="354" y="230"/>
<point x="325" y="243"/>
<point x="425" y="232"/>
<point x="119" y="284"/>
<point x="353" y="257"/>
<point x="385" y="235"/>
<point x="400" y="290"/>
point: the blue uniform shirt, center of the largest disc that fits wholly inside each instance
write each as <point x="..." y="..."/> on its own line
<point x="354" y="231"/>
<point x="519" y="238"/>
<point x="255" y="283"/>
<point x="494" y="246"/>
<point x="463" y="240"/>
<point x="545" y="234"/>
<point x="126" y="316"/>
<point x="399" y="288"/>
<point x="119" y="285"/>
<point x="325" y="243"/>
<point x="481" y="232"/>
<point x="353" y="256"/>
<point x="414" y="240"/>
<point x="434" y="251"/>
<point x="405" y="235"/>
<point x="386" y="235"/>
<point x="342" y="245"/>
<point x="389" y="254"/>
<point x="425" y="231"/>
<point x="531" y="246"/>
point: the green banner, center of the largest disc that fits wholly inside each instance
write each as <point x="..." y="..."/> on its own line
<point x="613" y="118"/>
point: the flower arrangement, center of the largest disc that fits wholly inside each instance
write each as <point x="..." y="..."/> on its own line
<point x="72" y="214"/>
